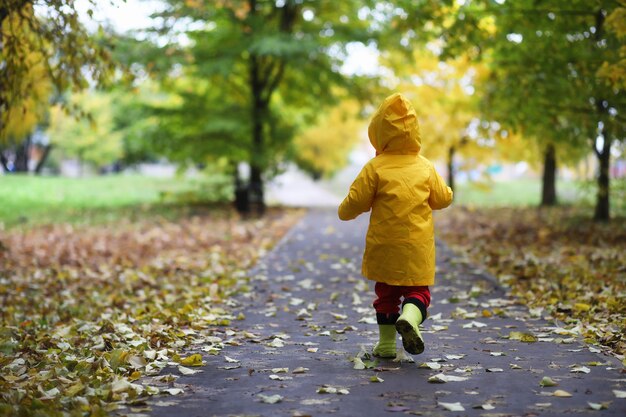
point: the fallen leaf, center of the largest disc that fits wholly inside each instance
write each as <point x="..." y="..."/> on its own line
<point x="443" y="378"/>
<point x="296" y="301"/>
<point x="329" y="389"/>
<point x="173" y="391"/>
<point x="455" y="357"/>
<point x="276" y="343"/>
<point x="430" y="365"/>
<point x="270" y="399"/>
<point x="300" y="370"/>
<point x="192" y="360"/>
<point x="187" y="371"/>
<point x="358" y="364"/>
<point x="230" y="360"/>
<point x="137" y="362"/>
<point x="598" y="406"/>
<point x="546" y="381"/>
<point x="376" y="378"/>
<point x="402" y="356"/>
<point x="485" y="406"/>
<point x="55" y="391"/>
<point x="561" y="393"/>
<point x="452" y="406"/>
<point x="473" y="324"/>
<point x="619" y="394"/>
<point x="582" y="307"/>
<point x="494" y="370"/>
<point x="522" y="337"/>
<point x="279" y="378"/>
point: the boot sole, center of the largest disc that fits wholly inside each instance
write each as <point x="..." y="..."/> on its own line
<point x="411" y="341"/>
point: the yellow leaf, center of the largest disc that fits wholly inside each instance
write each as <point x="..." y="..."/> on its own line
<point x="582" y="307"/>
<point x="193" y="360"/>
<point x="487" y="313"/>
<point x="74" y="389"/>
<point x="561" y="393"/>
<point x="522" y="337"/>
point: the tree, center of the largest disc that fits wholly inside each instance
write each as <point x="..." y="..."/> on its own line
<point x="446" y="102"/>
<point x="49" y="46"/>
<point x="547" y="62"/>
<point x="248" y="61"/>
<point x="322" y="149"/>
<point x="93" y="137"/>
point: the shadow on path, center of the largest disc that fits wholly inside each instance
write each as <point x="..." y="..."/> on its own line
<point x="309" y="308"/>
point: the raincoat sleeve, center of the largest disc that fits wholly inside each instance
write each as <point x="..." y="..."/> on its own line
<point x="361" y="195"/>
<point x="440" y="193"/>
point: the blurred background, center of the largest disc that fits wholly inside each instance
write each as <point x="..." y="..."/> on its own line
<point x="115" y="104"/>
<point x="151" y="151"/>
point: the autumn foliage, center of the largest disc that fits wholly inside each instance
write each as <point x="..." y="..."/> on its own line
<point x="88" y="310"/>
<point x="556" y="261"/>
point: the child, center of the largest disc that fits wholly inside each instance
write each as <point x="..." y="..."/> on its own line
<point x="402" y="188"/>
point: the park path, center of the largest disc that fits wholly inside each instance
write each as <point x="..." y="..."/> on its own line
<point x="309" y="311"/>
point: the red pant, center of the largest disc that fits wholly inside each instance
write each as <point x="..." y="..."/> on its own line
<point x="388" y="302"/>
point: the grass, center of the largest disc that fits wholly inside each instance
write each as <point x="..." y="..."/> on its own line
<point x="527" y="193"/>
<point x="29" y="200"/>
<point x="513" y="193"/>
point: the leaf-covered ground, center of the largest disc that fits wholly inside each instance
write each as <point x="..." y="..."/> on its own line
<point x="557" y="261"/>
<point x="87" y="311"/>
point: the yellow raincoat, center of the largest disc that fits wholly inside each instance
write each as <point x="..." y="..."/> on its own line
<point x="401" y="187"/>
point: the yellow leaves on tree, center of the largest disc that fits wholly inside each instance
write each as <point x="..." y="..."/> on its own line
<point x="28" y="104"/>
<point x="92" y="137"/>
<point x="322" y="149"/>
<point x="443" y="92"/>
<point x="615" y="72"/>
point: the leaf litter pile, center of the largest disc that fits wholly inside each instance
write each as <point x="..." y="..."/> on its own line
<point x="89" y="312"/>
<point x="556" y="261"/>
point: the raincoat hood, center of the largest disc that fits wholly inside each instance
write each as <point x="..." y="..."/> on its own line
<point x="394" y="127"/>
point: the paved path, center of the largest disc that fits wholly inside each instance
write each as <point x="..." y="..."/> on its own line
<point x="311" y="309"/>
<point x="294" y="188"/>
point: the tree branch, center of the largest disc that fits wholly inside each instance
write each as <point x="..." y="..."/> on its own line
<point x="273" y="84"/>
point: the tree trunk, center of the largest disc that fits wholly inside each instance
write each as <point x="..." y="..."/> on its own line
<point x="255" y="186"/>
<point x="602" y="212"/>
<point x="22" y="156"/>
<point x="44" y="158"/>
<point x="4" y="161"/>
<point x="548" y="191"/>
<point x="451" y="153"/>
<point x="242" y="200"/>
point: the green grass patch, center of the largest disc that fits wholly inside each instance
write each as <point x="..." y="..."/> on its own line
<point x="512" y="193"/>
<point x="30" y="200"/>
<point x="527" y="193"/>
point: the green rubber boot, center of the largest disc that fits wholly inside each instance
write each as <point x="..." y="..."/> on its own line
<point x="386" y="346"/>
<point x="407" y="325"/>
